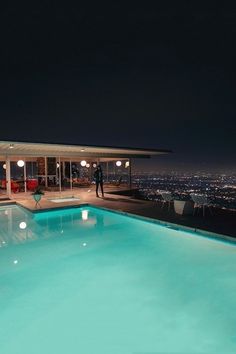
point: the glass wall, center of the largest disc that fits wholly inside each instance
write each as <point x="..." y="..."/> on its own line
<point x="115" y="172"/>
<point x="24" y="175"/>
<point x="2" y="178"/>
<point x="60" y="173"/>
<point x="31" y="174"/>
<point x="81" y="173"/>
<point x="17" y="176"/>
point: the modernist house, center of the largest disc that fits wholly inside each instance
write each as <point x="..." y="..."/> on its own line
<point x="58" y="167"/>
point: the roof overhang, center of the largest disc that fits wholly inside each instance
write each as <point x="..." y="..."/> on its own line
<point x="13" y="148"/>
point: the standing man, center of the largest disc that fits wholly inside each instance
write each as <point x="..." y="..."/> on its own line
<point x="98" y="176"/>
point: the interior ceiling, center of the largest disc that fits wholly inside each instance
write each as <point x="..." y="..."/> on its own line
<point x="9" y="148"/>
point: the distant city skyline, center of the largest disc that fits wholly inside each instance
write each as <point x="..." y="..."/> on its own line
<point x="220" y="189"/>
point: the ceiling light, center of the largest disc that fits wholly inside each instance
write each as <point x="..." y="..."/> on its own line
<point x="83" y="163"/>
<point x="20" y="163"/>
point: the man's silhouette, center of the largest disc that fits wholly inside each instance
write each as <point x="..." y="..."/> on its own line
<point x="98" y="176"/>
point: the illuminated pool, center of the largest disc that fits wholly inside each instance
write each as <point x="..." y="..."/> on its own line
<point x="84" y="280"/>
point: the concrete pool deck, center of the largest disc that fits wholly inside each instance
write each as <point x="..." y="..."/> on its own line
<point x="221" y="222"/>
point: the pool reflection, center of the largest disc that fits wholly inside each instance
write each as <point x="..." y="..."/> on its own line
<point x="19" y="226"/>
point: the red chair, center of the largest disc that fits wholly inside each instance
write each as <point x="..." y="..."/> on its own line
<point x="31" y="184"/>
<point x="4" y="184"/>
<point x="14" y="186"/>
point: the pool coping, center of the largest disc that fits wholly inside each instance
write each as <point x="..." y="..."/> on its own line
<point x="173" y="226"/>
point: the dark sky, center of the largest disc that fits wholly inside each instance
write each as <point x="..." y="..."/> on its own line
<point x="122" y="74"/>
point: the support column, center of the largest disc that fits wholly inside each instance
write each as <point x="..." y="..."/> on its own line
<point x="63" y="169"/>
<point x="130" y="175"/>
<point x="46" y="173"/>
<point x="91" y="171"/>
<point x="25" y="185"/>
<point x="59" y="161"/>
<point x="71" y="185"/>
<point x="8" y="176"/>
<point x="107" y="170"/>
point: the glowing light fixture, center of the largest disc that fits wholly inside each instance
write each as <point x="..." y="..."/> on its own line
<point x="22" y="225"/>
<point x="82" y="150"/>
<point x="20" y="163"/>
<point x="11" y="146"/>
<point x="87" y="165"/>
<point x="4" y="166"/>
<point x="94" y="165"/>
<point x="84" y="215"/>
<point x="127" y="164"/>
<point x="58" y="165"/>
<point x="118" y="163"/>
<point x="83" y="163"/>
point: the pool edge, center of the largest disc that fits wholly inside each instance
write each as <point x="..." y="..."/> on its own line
<point x="177" y="227"/>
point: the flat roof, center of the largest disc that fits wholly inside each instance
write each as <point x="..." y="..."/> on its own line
<point x="11" y="148"/>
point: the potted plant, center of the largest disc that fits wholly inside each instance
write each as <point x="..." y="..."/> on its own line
<point x="37" y="195"/>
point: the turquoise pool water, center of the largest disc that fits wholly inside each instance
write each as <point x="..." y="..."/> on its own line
<point x="89" y="281"/>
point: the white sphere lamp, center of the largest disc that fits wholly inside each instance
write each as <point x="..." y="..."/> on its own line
<point x="83" y="163"/>
<point x="20" y="163"/>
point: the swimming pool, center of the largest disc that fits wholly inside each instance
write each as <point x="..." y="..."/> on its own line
<point x="84" y="280"/>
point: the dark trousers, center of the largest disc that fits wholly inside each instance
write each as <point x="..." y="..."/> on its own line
<point x="101" y="186"/>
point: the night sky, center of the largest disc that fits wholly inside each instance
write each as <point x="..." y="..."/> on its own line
<point x="123" y="75"/>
